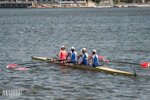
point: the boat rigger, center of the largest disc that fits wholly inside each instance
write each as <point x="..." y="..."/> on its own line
<point x="78" y="66"/>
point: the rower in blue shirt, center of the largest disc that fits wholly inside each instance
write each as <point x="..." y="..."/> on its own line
<point x="73" y="55"/>
<point x="84" y="56"/>
<point x="94" y="58"/>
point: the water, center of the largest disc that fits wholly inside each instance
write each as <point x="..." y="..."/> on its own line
<point x="117" y="34"/>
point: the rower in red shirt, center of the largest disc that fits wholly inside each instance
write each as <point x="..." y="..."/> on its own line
<point x="62" y="53"/>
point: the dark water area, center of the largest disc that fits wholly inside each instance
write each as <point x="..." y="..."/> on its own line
<point x="117" y="34"/>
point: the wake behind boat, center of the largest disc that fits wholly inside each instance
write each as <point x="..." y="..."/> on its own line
<point x="78" y="66"/>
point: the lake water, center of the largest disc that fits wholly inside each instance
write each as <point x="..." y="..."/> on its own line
<point x="120" y="34"/>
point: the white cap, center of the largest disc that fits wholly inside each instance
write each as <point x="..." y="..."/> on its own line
<point x="62" y="46"/>
<point x="83" y="49"/>
<point x="72" y="48"/>
<point x="94" y="50"/>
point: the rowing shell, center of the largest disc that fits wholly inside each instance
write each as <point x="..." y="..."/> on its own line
<point x="98" y="68"/>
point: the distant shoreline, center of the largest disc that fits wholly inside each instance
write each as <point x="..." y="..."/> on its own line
<point x="74" y="5"/>
<point x="116" y="6"/>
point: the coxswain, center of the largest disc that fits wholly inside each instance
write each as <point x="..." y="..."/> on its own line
<point x="94" y="58"/>
<point x="84" y="56"/>
<point x="73" y="55"/>
<point x="62" y="53"/>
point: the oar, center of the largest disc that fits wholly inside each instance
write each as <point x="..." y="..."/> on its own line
<point x="57" y="59"/>
<point x="22" y="68"/>
<point x="16" y="65"/>
<point x="69" y="61"/>
<point x="125" y="62"/>
<point x="105" y="60"/>
<point x="144" y="64"/>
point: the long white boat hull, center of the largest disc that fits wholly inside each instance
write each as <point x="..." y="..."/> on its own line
<point x="98" y="68"/>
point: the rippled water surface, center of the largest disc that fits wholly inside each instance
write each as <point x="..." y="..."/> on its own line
<point x="117" y="34"/>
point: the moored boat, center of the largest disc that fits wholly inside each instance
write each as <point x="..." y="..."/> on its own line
<point x="78" y="66"/>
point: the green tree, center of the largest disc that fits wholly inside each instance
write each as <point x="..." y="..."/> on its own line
<point x="97" y="1"/>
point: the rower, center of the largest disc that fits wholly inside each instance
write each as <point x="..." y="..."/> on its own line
<point x="73" y="55"/>
<point x="94" y="58"/>
<point x="84" y="56"/>
<point x="62" y="53"/>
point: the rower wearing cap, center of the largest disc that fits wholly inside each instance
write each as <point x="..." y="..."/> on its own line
<point x="84" y="56"/>
<point x="62" y="53"/>
<point x="73" y="55"/>
<point x="94" y="58"/>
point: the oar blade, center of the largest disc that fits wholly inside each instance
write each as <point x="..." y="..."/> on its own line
<point x="105" y="60"/>
<point x="101" y="57"/>
<point x="22" y="68"/>
<point x="12" y="66"/>
<point x="145" y="64"/>
<point x="63" y="62"/>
